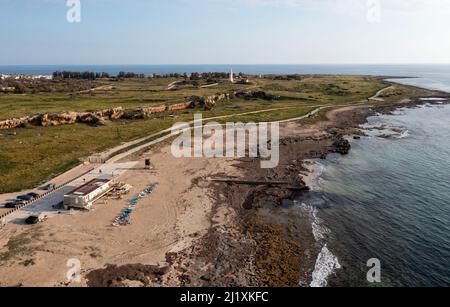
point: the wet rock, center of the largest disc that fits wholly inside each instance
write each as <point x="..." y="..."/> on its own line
<point x="341" y="146"/>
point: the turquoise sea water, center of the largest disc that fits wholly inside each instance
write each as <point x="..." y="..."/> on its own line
<point x="389" y="199"/>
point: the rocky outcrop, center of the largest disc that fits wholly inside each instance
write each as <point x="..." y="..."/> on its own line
<point x="111" y="114"/>
<point x="179" y="106"/>
<point x="342" y="146"/>
<point x="13" y="123"/>
<point x="249" y="95"/>
<point x="147" y="112"/>
<point x="208" y="102"/>
<point x="93" y="118"/>
<point x="58" y="119"/>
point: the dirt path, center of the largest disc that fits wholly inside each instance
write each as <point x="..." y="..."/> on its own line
<point x="100" y="88"/>
<point x="379" y="93"/>
<point x="172" y="85"/>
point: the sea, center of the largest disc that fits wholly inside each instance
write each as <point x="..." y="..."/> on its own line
<point x="388" y="201"/>
<point x="382" y="213"/>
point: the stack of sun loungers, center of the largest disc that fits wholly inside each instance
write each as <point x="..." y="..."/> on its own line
<point x="124" y="218"/>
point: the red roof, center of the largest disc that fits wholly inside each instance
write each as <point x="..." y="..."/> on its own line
<point x="89" y="187"/>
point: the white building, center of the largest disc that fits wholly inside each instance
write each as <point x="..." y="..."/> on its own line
<point x="84" y="196"/>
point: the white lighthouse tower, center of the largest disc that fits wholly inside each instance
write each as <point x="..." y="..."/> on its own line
<point x="231" y="76"/>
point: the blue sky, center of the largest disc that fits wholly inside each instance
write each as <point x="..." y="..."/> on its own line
<point x="225" y="31"/>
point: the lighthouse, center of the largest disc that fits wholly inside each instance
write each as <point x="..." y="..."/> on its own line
<point x="231" y="76"/>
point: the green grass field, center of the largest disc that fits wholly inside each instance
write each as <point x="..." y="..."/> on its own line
<point x="30" y="156"/>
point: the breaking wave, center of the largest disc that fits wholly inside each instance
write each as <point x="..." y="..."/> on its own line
<point x="326" y="263"/>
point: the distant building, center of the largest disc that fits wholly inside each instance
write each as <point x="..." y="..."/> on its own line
<point x="83" y="196"/>
<point x="26" y="77"/>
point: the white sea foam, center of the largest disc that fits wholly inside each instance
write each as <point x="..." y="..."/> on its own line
<point x="434" y="99"/>
<point x="385" y="131"/>
<point x="326" y="265"/>
<point x="319" y="231"/>
<point x="403" y="135"/>
<point x="316" y="170"/>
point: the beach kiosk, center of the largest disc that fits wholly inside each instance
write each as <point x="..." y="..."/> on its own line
<point x="83" y="197"/>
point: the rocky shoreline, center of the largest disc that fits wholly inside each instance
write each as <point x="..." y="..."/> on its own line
<point x="264" y="247"/>
<point x="263" y="243"/>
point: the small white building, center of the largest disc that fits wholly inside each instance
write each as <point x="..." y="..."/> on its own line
<point x="84" y="196"/>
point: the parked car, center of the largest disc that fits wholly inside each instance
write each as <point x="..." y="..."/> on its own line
<point x="34" y="195"/>
<point x="48" y="187"/>
<point x="34" y="219"/>
<point x="25" y="197"/>
<point x="14" y="204"/>
<point x="10" y="205"/>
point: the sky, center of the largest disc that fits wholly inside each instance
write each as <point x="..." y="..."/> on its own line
<point x="37" y="32"/>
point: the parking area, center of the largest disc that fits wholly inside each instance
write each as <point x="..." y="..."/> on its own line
<point x="47" y="203"/>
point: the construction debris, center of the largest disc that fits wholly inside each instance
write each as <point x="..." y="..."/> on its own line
<point x="123" y="219"/>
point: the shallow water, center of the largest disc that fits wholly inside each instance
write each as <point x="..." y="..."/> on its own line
<point x="390" y="199"/>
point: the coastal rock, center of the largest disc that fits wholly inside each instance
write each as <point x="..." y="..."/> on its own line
<point x="341" y="146"/>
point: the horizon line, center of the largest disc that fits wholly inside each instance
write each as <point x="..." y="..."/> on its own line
<point x="238" y="64"/>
